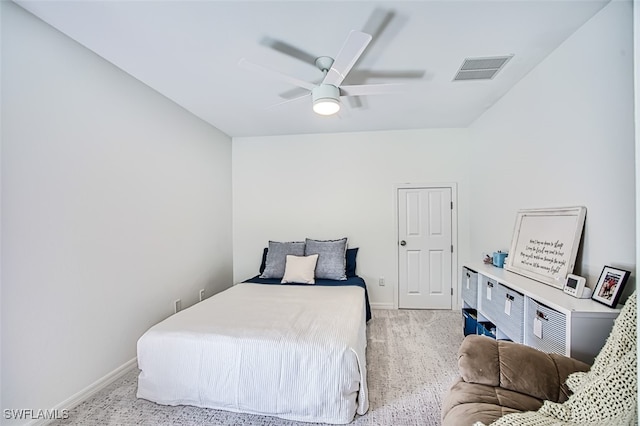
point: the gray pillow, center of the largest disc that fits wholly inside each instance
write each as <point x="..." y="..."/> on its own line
<point x="277" y="257"/>
<point x="331" y="260"/>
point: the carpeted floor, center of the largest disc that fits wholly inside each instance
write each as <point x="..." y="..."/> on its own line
<point x="411" y="361"/>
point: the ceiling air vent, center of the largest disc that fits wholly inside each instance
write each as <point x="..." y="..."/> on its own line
<point x="481" y="68"/>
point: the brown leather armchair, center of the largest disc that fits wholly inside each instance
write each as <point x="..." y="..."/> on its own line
<point x="500" y="377"/>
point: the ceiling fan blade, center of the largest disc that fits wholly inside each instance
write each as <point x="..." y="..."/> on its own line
<point x="373" y="89"/>
<point x="289" y="50"/>
<point x="378" y="22"/>
<point x="276" y="74"/>
<point x="297" y="91"/>
<point x="297" y="98"/>
<point x="293" y="93"/>
<point x="361" y="75"/>
<point x="345" y="60"/>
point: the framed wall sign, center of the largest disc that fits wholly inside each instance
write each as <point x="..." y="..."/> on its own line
<point x="610" y="285"/>
<point x="545" y="243"/>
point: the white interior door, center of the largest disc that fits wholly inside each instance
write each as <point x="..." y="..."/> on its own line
<point x="424" y="248"/>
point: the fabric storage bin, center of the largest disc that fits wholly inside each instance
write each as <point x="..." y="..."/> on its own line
<point x="486" y="328"/>
<point x="549" y="334"/>
<point x="505" y="307"/>
<point x="487" y="300"/>
<point x="469" y="321"/>
<point x="510" y="315"/>
<point x="469" y="286"/>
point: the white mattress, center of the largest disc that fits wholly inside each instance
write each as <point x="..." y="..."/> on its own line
<point x="296" y="352"/>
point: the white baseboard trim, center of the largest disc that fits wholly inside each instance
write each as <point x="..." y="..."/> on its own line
<point x="382" y="306"/>
<point x="88" y="392"/>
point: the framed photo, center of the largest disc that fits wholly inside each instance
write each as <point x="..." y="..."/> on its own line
<point x="610" y="286"/>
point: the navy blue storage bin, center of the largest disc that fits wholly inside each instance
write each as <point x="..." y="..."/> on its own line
<point x="486" y="329"/>
<point x="470" y="321"/>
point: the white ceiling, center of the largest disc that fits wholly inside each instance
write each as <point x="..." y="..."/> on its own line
<point x="189" y="52"/>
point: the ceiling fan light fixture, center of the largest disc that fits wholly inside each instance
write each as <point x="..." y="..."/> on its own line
<point x="326" y="99"/>
<point x="326" y="106"/>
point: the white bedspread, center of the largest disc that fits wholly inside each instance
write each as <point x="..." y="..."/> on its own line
<point x="296" y="352"/>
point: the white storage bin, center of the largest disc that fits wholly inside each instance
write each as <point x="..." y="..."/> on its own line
<point x="545" y="328"/>
<point x="487" y="303"/>
<point x="510" y="313"/>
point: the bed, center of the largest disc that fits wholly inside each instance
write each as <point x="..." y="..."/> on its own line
<point x="294" y="351"/>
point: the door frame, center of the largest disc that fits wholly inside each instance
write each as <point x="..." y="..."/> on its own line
<point x="454" y="236"/>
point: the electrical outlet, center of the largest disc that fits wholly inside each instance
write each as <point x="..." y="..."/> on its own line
<point x="177" y="305"/>
<point x="381" y="281"/>
<point x="201" y="294"/>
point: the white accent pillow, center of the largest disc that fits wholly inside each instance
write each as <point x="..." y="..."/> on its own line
<point x="300" y="269"/>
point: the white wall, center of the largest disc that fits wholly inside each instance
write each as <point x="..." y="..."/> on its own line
<point x="115" y="202"/>
<point x="564" y="136"/>
<point x="331" y="186"/>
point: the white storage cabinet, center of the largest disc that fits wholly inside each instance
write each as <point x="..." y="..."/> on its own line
<point x="536" y="314"/>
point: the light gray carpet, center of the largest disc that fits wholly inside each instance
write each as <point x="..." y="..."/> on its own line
<point x="411" y="360"/>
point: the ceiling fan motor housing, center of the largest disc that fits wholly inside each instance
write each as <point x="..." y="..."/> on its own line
<point x="325" y="91"/>
<point x="326" y="99"/>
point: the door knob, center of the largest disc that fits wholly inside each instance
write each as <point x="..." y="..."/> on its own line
<point x="403" y="243"/>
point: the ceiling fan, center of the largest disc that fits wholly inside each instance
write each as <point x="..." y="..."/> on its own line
<point x="326" y="94"/>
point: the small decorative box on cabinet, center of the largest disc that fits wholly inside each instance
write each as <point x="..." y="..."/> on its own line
<point x="530" y="312"/>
